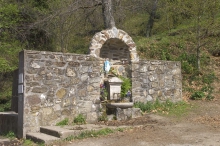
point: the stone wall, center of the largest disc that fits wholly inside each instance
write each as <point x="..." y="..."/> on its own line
<point x="53" y="86"/>
<point x="153" y="80"/>
<point x="58" y="86"/>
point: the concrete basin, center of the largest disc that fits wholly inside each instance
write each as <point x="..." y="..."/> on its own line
<point x="122" y="105"/>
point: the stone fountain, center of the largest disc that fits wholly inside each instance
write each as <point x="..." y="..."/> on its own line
<point x="114" y="94"/>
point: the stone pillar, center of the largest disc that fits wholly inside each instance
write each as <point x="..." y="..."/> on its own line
<point x="20" y="133"/>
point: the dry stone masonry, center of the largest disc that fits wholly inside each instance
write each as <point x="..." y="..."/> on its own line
<point x="53" y="86"/>
<point x="57" y="86"/>
<point x="156" y="79"/>
<point x="114" y="44"/>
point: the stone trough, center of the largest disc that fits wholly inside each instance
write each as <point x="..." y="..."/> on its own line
<point x="122" y="105"/>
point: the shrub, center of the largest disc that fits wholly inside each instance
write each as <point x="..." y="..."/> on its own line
<point x="198" y="95"/>
<point x="80" y="119"/>
<point x="208" y="78"/>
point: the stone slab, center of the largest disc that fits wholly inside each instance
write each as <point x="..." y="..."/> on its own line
<point x="59" y="132"/>
<point x="41" y="138"/>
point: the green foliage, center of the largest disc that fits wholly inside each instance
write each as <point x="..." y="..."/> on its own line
<point x="167" y="107"/>
<point x="103" y="117"/>
<point x="209" y="78"/>
<point x="145" y="107"/>
<point x="198" y="95"/>
<point x="126" y="86"/>
<point x="103" y="92"/>
<point x="136" y="24"/>
<point x="206" y="90"/>
<point x="63" y="122"/>
<point x="5" y="105"/>
<point x="9" y="14"/>
<point x="10" y="135"/>
<point x="188" y="62"/>
<point x="80" y="119"/>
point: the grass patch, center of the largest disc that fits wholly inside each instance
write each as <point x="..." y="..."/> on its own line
<point x="28" y="142"/>
<point x="80" y="119"/>
<point x="168" y="107"/>
<point x="63" y="122"/>
<point x="93" y="133"/>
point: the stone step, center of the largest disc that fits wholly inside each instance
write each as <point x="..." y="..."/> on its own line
<point x="59" y="132"/>
<point x="48" y="134"/>
<point x="66" y="131"/>
<point x="41" y="138"/>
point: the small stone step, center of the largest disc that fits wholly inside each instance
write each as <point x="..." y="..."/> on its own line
<point x="58" y="131"/>
<point x="41" y="138"/>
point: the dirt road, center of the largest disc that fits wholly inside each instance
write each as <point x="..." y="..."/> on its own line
<point x="199" y="127"/>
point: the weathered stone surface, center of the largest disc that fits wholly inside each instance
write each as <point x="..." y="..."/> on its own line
<point x="84" y="77"/>
<point x="136" y="112"/>
<point x="151" y="91"/>
<point x="90" y="88"/>
<point x="152" y="78"/>
<point x="154" y="84"/>
<point x="67" y="102"/>
<point x="95" y="80"/>
<point x="74" y="64"/>
<point x="151" y="68"/>
<point x="52" y="56"/>
<point x="49" y="82"/>
<point x="82" y="93"/>
<point x="60" y="64"/>
<point x="176" y="71"/>
<point x="92" y="117"/>
<point x="57" y="107"/>
<point x="85" y="107"/>
<point x="33" y="100"/>
<point x="66" y="112"/>
<point x="42" y="89"/>
<point x="75" y="80"/>
<point x="33" y="84"/>
<point x="35" y="109"/>
<point x="156" y="62"/>
<point x="49" y="76"/>
<point x="61" y="93"/>
<point x="33" y="70"/>
<point x="149" y="98"/>
<point x="70" y="72"/>
<point x="49" y="63"/>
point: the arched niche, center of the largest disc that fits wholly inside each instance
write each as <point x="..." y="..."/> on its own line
<point x="110" y="43"/>
<point x="115" y="49"/>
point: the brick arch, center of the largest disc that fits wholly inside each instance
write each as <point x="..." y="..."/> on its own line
<point x="100" y="39"/>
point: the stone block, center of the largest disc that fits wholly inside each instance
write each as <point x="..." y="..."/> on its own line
<point x="136" y="112"/>
<point x="61" y="93"/>
<point x="33" y="100"/>
<point x="120" y="115"/>
<point x="92" y="117"/>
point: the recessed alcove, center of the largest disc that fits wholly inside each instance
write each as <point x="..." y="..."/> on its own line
<point x="115" y="49"/>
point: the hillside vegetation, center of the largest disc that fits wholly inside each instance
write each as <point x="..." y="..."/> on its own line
<point x="180" y="30"/>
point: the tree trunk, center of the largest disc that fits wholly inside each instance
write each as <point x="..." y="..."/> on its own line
<point x="109" y="21"/>
<point x="151" y="18"/>
<point x="198" y="43"/>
